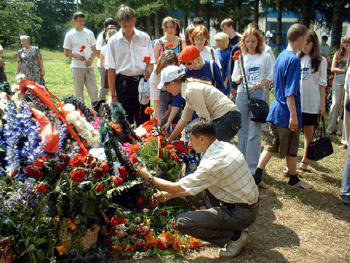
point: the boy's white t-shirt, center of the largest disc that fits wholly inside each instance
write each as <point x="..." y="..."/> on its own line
<point x="310" y="84"/>
<point x="99" y="45"/>
<point x="257" y="68"/>
<point x="206" y="55"/>
<point x="103" y="53"/>
<point x="74" y="40"/>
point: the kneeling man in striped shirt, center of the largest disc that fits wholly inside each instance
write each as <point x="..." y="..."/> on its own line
<point x="230" y="192"/>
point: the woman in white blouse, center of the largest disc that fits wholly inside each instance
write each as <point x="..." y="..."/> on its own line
<point x="312" y="88"/>
<point x="258" y="67"/>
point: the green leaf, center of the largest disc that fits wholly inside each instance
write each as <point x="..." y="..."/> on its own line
<point x="40" y="254"/>
<point x="40" y="241"/>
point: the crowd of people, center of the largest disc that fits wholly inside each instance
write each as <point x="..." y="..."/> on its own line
<point x="205" y="91"/>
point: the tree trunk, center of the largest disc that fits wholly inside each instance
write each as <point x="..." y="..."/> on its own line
<point x="238" y="17"/>
<point x="279" y="25"/>
<point x="156" y="25"/>
<point x="256" y="11"/>
<point x="337" y="22"/>
<point x="185" y="19"/>
<point x="307" y="12"/>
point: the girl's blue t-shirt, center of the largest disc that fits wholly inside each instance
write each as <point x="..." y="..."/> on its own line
<point x="286" y="79"/>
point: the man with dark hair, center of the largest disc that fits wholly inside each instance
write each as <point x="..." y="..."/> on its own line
<point x="125" y="59"/>
<point x="109" y="23"/>
<point x="198" y="21"/>
<point x="324" y="47"/>
<point x="230" y="192"/>
<point x="79" y="45"/>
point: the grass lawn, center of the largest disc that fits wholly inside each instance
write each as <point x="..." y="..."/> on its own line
<point x="293" y="226"/>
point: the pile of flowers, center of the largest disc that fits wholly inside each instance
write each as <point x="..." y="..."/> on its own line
<point x="65" y="171"/>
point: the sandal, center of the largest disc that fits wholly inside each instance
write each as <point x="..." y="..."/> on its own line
<point x="301" y="185"/>
<point x="304" y="170"/>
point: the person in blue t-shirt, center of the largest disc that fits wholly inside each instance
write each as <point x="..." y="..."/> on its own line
<point x="224" y="55"/>
<point x="285" y="111"/>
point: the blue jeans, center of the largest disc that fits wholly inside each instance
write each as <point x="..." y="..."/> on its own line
<point x="227" y="126"/>
<point x="249" y="136"/>
<point x="345" y="184"/>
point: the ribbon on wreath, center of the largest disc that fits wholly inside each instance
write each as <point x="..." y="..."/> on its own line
<point x="44" y="97"/>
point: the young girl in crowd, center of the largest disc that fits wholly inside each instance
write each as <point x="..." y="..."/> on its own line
<point x="160" y="97"/>
<point x="312" y="88"/>
<point x="339" y="64"/>
<point x="258" y="67"/>
<point x="170" y="41"/>
<point x="200" y="38"/>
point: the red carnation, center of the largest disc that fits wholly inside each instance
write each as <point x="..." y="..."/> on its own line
<point x="147" y="60"/>
<point x="65" y="158"/>
<point x="134" y="148"/>
<point x="116" y="249"/>
<point x="134" y="158"/>
<point x="117" y="180"/>
<point x="117" y="221"/>
<point x="14" y="173"/>
<point x="97" y="172"/>
<point x="82" y="48"/>
<point x="236" y="55"/>
<point x="164" y="212"/>
<point x="33" y="171"/>
<point x="130" y="248"/>
<point x="161" y="244"/>
<point x="170" y="146"/>
<point x="77" y="175"/>
<point x="139" y="200"/>
<point x="105" y="167"/>
<point x="76" y="161"/>
<point x="123" y="245"/>
<point x="41" y="188"/>
<point x="123" y="172"/>
<point x="99" y="188"/>
<point x="149" y="110"/>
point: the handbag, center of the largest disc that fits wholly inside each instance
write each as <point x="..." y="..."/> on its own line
<point x="321" y="147"/>
<point x="258" y="108"/>
<point x="144" y="91"/>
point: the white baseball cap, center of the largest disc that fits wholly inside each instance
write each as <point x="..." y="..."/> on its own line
<point x="170" y="73"/>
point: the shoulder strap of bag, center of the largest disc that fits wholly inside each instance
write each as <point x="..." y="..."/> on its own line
<point x="245" y="83"/>
<point x="212" y="53"/>
<point x="161" y="45"/>
<point x="212" y="71"/>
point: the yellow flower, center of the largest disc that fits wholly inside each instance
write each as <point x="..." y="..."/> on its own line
<point x="72" y="224"/>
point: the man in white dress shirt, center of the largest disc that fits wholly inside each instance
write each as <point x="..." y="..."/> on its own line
<point x="125" y="57"/>
<point x="230" y="192"/>
<point x="79" y="45"/>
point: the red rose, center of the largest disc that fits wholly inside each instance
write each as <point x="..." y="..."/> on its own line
<point x="93" y="165"/>
<point x="88" y="159"/>
<point x="97" y="172"/>
<point x="77" y="175"/>
<point x="139" y="200"/>
<point x="161" y="244"/>
<point x="99" y="188"/>
<point x="41" y="188"/>
<point x="117" y="180"/>
<point x="152" y="205"/>
<point x="116" y="249"/>
<point x="130" y="248"/>
<point x="65" y="158"/>
<point x="33" y="171"/>
<point x="105" y="167"/>
<point x="117" y="221"/>
<point x="39" y="162"/>
<point x="149" y="110"/>
<point x="123" y="172"/>
<point x="59" y="168"/>
<point x="134" y="158"/>
<point x="164" y="212"/>
<point x="76" y="161"/>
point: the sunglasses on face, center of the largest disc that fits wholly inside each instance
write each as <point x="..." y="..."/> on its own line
<point x="188" y="63"/>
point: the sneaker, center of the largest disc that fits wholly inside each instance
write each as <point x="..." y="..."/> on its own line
<point x="234" y="247"/>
